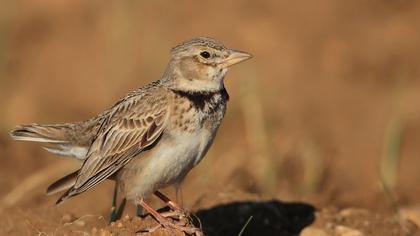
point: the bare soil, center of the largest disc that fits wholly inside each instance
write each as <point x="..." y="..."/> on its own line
<point x="325" y="113"/>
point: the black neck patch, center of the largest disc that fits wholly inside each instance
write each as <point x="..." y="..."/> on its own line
<point x="200" y="99"/>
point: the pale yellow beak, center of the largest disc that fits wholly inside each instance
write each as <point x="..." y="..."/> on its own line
<point x="235" y="57"/>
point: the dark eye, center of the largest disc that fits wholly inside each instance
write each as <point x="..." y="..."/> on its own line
<point x="205" y="54"/>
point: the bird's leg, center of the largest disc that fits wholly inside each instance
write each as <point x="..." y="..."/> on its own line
<point x="166" y="223"/>
<point x="177" y="211"/>
<point x="173" y="205"/>
<point x="114" y="205"/>
<point x="116" y="213"/>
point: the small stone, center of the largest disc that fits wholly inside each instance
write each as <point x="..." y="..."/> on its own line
<point x="67" y="218"/>
<point x="346" y="212"/>
<point x="340" y="218"/>
<point x="119" y="225"/>
<point x="329" y="225"/>
<point x="94" y="230"/>
<point x="409" y="227"/>
<point x="105" y="233"/>
<point x="112" y="224"/>
<point x="79" y="223"/>
<point x="353" y="211"/>
<point x="366" y="223"/>
<point x="341" y="230"/>
<point x="126" y="217"/>
<point x="412" y="214"/>
<point x="313" y="231"/>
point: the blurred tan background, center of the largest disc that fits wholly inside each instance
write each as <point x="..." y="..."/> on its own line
<point x="327" y="111"/>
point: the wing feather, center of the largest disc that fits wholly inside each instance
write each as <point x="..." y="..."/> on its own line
<point x="123" y="136"/>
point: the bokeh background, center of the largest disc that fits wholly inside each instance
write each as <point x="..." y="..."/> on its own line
<point x="327" y="112"/>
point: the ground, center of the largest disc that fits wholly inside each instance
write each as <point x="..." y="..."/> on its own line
<point x="220" y="214"/>
<point x="321" y="135"/>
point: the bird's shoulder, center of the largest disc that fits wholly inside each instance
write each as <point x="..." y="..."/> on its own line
<point x="134" y="110"/>
<point x="146" y="98"/>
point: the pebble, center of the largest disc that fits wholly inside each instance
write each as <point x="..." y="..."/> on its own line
<point x="313" y="231"/>
<point x="346" y="231"/>
<point x="67" y="218"/>
<point x="105" y="233"/>
<point x="340" y="218"/>
<point x="80" y="223"/>
<point x="412" y="214"/>
<point x="366" y="223"/>
<point x="353" y="211"/>
<point x="329" y="226"/>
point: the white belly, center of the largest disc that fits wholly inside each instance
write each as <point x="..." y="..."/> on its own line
<point x="167" y="163"/>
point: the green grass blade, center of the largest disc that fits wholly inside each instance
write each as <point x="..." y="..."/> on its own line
<point x="245" y="225"/>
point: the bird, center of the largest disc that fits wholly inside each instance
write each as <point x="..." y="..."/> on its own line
<point x="152" y="137"/>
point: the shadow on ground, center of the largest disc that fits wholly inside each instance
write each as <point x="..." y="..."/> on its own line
<point x="268" y="218"/>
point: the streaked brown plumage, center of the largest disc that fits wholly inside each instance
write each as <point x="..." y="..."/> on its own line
<point x="152" y="137"/>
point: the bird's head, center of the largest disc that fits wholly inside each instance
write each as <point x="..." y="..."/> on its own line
<point x="200" y="64"/>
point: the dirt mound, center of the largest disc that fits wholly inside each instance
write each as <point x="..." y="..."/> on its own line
<point x="268" y="218"/>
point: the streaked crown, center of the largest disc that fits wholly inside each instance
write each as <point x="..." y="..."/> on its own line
<point x="197" y="42"/>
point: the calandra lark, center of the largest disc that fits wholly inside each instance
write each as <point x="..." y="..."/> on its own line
<point x="153" y="136"/>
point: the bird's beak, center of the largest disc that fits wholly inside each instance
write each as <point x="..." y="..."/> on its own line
<point x="234" y="57"/>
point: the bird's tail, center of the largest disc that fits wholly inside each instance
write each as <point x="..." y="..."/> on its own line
<point x="61" y="139"/>
<point x="71" y="139"/>
<point x="40" y="133"/>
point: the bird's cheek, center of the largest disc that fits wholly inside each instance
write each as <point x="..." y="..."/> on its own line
<point x="201" y="71"/>
<point x="189" y="70"/>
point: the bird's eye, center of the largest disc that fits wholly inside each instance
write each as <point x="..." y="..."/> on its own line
<point x="205" y="54"/>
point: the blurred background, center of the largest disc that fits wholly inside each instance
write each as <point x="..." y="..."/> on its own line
<point x="327" y="112"/>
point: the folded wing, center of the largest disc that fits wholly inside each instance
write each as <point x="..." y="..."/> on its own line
<point x="133" y="125"/>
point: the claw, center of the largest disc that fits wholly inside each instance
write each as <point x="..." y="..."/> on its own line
<point x="182" y="224"/>
<point x="176" y="215"/>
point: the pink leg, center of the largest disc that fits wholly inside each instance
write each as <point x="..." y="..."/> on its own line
<point x="173" y="205"/>
<point x="167" y="223"/>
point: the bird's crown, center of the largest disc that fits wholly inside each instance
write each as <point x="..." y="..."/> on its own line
<point x="197" y="42"/>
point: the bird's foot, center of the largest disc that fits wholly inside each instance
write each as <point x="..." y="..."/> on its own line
<point x="180" y="226"/>
<point x="172" y="220"/>
<point x="177" y="214"/>
<point x="180" y="220"/>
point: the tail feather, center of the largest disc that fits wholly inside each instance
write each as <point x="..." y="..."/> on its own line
<point x="39" y="133"/>
<point x="63" y="139"/>
<point x="64" y="183"/>
<point x="68" y="150"/>
<point x="70" y="139"/>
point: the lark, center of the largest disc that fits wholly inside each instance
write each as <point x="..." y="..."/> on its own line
<point x="152" y="137"/>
